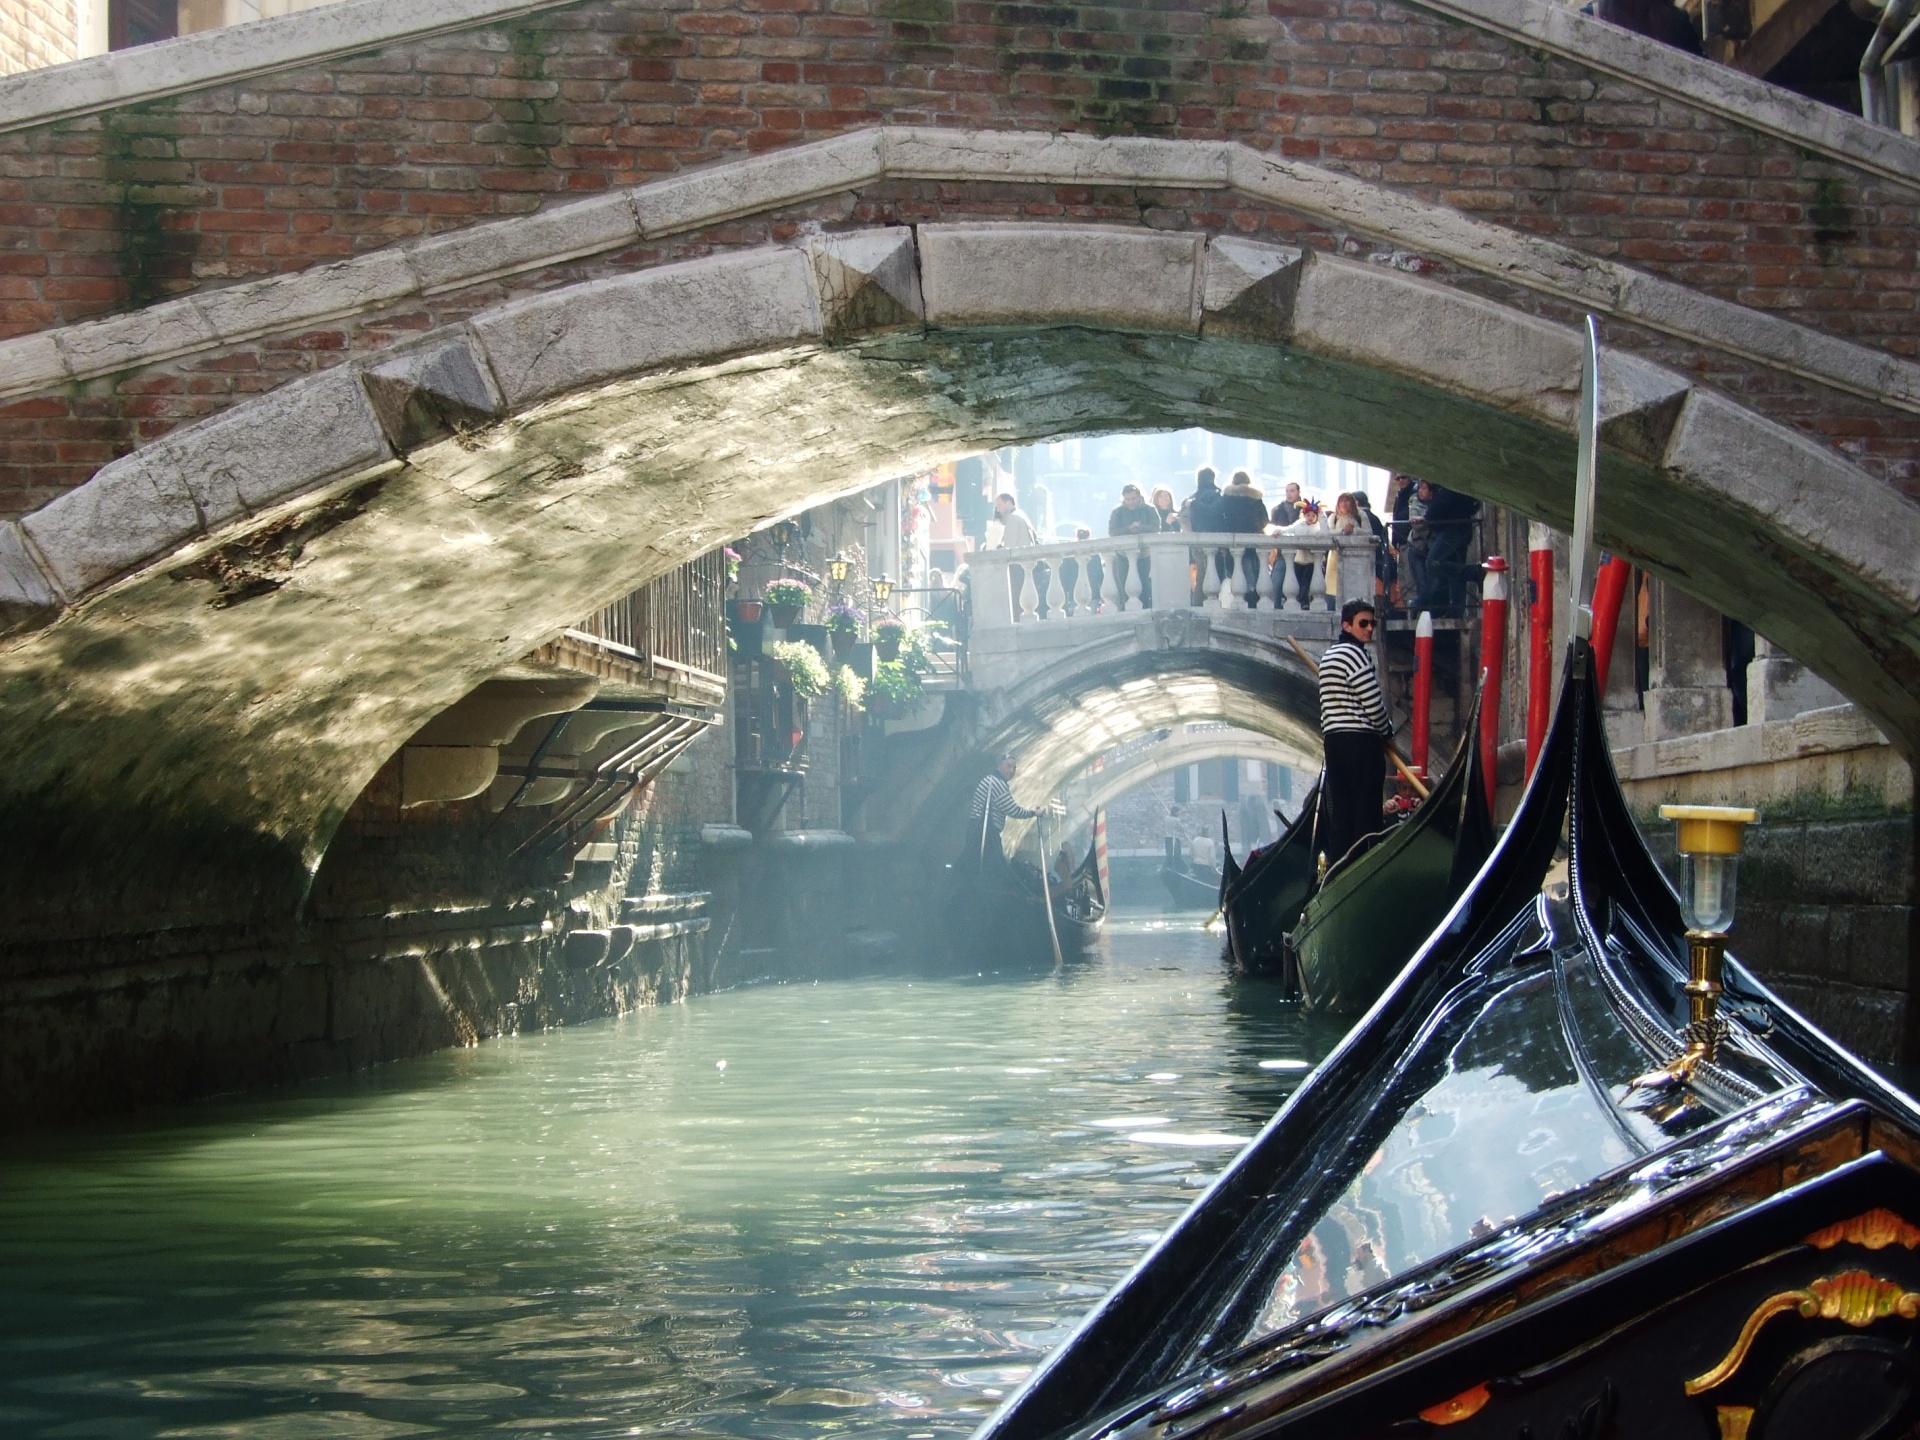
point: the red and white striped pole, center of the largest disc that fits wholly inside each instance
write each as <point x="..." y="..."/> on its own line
<point x="1493" y="664"/>
<point x="1608" y="591"/>
<point x="1422" y="689"/>
<point x="1539" y="638"/>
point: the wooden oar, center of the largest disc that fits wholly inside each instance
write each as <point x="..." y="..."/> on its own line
<point x="1393" y="751"/>
<point x="1046" y="894"/>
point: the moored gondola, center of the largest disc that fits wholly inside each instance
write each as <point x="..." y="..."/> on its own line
<point x="1262" y="903"/>
<point x="1568" y="1177"/>
<point x="1080" y="902"/>
<point x="1377" y="903"/>
<point x="1190" y="885"/>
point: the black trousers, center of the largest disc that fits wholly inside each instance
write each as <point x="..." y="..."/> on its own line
<point x="1352" y="801"/>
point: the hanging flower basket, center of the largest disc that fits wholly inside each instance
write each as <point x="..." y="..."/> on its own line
<point x="747" y="612"/>
<point x="887" y="635"/>
<point x="785" y="600"/>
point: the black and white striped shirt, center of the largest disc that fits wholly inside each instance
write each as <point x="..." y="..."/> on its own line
<point x="1350" y="697"/>
<point x="992" y="798"/>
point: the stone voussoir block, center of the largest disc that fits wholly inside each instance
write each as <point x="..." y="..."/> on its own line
<point x="1799" y="485"/>
<point x="192" y="481"/>
<point x="674" y="314"/>
<point x="1249" y="289"/>
<point x="139" y="337"/>
<point x="867" y="281"/>
<point x="1028" y="274"/>
<point x="27" y="597"/>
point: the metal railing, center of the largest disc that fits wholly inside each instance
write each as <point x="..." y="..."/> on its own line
<point x="1094" y="579"/>
<point x="677" y="622"/>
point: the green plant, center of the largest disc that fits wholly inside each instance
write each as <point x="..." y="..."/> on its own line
<point x="891" y="626"/>
<point x="788" y="592"/>
<point x="844" y="618"/>
<point x="916" y="647"/>
<point x="852" y="688"/>
<point x="806" y="671"/>
<point x="892" y="680"/>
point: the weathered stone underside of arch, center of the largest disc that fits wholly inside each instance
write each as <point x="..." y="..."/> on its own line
<point x="229" y="645"/>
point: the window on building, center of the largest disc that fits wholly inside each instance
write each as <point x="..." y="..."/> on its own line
<point x="141" y="22"/>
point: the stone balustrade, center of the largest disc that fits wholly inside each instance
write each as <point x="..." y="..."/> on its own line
<point x="1112" y="580"/>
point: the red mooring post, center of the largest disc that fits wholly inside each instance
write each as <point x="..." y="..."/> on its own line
<point x="1422" y="689"/>
<point x="1609" y="589"/>
<point x="1539" y="638"/>
<point x="1493" y="664"/>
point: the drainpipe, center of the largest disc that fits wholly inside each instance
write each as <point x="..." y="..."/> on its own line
<point x="1539" y="638"/>
<point x="1493" y="665"/>
<point x="1874" y="104"/>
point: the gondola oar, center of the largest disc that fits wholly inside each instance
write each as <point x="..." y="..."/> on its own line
<point x="1046" y="894"/>
<point x="1406" y="771"/>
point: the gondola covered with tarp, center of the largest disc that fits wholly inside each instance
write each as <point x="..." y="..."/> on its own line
<point x="1520" y="1200"/>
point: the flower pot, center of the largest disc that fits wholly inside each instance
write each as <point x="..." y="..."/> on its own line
<point x="887" y="646"/>
<point x="747" y="610"/>
<point x="843" y="641"/>
<point x="784" y="617"/>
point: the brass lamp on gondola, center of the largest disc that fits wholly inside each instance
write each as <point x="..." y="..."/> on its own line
<point x="1709" y="844"/>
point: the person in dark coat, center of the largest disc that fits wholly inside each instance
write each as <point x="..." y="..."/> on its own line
<point x="1243" y="509"/>
<point x="1202" y="514"/>
<point x="1449" y="523"/>
<point x="1133" y="516"/>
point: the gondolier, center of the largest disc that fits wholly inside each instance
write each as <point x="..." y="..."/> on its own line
<point x="994" y="805"/>
<point x="1355" y="728"/>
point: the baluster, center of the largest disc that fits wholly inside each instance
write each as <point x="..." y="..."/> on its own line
<point x="1319" y="579"/>
<point x="1056" y="593"/>
<point x="1223" y="597"/>
<point x="1029" y="596"/>
<point x="1109" y="583"/>
<point x="1133" y="579"/>
<point x="1267" y="575"/>
<point x="1083" y="588"/>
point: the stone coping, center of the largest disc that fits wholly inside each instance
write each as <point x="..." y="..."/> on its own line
<point x="234" y="52"/>
<point x="1827" y="731"/>
<point x="733" y="189"/>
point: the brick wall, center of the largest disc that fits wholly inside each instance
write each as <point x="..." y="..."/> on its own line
<point x="34" y="33"/>
<point x="282" y="171"/>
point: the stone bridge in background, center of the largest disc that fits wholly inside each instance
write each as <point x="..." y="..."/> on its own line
<point x="352" y="356"/>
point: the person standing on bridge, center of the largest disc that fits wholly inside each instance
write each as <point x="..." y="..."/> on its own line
<point x="1016" y="530"/>
<point x="1355" y="729"/>
<point x="994" y="805"/>
<point x="1133" y="516"/>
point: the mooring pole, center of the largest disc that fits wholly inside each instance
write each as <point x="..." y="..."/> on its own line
<point x="1539" y="638"/>
<point x="1493" y="664"/>
<point x="1422" y="689"/>
<point x="1608" y="591"/>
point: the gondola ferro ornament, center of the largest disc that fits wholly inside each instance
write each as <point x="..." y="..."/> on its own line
<point x="1709" y="842"/>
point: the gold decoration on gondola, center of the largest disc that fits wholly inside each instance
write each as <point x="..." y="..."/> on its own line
<point x="1874" y="1230"/>
<point x="1464" y="1406"/>
<point x="1852" y="1297"/>
<point x="1735" y="1421"/>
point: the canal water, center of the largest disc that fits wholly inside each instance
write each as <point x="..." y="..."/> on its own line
<point x="856" y="1207"/>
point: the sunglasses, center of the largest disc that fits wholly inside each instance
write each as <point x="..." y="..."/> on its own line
<point x="1363" y="624"/>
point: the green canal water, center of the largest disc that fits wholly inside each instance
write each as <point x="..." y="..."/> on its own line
<point x="858" y="1207"/>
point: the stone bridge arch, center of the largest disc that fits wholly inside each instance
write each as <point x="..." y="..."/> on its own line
<point x="426" y="515"/>
<point x="1183" y="746"/>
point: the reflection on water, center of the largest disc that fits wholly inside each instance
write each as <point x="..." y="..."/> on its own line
<point x="866" y="1206"/>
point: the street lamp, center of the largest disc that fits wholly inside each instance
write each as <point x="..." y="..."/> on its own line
<point x="882" y="588"/>
<point x="838" y="568"/>
<point x="1709" y="844"/>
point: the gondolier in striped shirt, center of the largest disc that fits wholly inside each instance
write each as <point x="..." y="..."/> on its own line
<point x="1355" y="728"/>
<point x="994" y="805"/>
